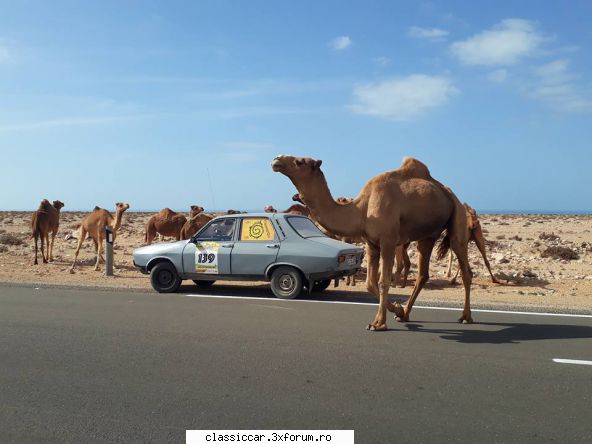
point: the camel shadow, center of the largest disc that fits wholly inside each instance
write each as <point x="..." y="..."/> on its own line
<point x="509" y="333"/>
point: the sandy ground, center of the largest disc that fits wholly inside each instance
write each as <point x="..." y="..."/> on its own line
<point x="515" y="248"/>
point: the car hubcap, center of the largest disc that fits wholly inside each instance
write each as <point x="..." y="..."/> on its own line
<point x="287" y="283"/>
<point x="165" y="277"/>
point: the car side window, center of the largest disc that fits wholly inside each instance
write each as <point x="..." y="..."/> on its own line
<point x="219" y="230"/>
<point x="256" y="229"/>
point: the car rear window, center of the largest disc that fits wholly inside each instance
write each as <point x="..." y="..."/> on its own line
<point x="305" y="227"/>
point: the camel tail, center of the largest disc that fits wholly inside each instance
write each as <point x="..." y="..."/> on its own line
<point x="443" y="247"/>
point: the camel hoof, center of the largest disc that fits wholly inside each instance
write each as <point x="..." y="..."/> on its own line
<point x="465" y="321"/>
<point x="371" y="327"/>
<point x="401" y="319"/>
<point x="71" y="271"/>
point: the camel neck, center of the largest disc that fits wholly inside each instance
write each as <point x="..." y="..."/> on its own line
<point x="340" y="219"/>
<point x="118" y="217"/>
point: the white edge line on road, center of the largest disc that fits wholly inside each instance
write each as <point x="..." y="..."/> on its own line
<point x="572" y="361"/>
<point x="248" y="298"/>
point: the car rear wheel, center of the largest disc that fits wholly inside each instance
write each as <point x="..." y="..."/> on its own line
<point x="286" y="282"/>
<point x="164" y="278"/>
<point x="203" y="284"/>
<point x="319" y="286"/>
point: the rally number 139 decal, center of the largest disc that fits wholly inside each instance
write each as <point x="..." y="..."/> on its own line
<point x="206" y="257"/>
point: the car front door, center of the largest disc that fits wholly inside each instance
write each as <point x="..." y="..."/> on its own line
<point x="208" y="253"/>
<point x="256" y="248"/>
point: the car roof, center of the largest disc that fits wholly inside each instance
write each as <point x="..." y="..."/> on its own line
<point x="268" y="215"/>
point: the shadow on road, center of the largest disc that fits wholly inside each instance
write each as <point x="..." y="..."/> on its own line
<point x="509" y="333"/>
<point x="263" y="290"/>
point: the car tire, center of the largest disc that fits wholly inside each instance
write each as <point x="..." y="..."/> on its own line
<point x="203" y="284"/>
<point x="319" y="286"/>
<point x="286" y="282"/>
<point x="164" y="278"/>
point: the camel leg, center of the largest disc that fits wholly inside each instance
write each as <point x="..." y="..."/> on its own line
<point x="406" y="265"/>
<point x="460" y="249"/>
<point x="424" y="247"/>
<point x="453" y="280"/>
<point x="399" y="265"/>
<point x="373" y="258"/>
<point x="99" y="251"/>
<point x="449" y="269"/>
<point x="480" y="242"/>
<point x="82" y="238"/>
<point x="35" y="236"/>
<point x="43" y="238"/>
<point x="53" y="235"/>
<point x="387" y="259"/>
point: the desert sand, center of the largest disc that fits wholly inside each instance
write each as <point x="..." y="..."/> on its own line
<point x="544" y="262"/>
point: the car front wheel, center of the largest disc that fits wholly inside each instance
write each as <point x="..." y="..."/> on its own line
<point x="286" y="282"/>
<point x="164" y="278"/>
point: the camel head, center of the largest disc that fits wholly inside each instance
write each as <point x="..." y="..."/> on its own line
<point x="58" y="205"/>
<point x="270" y="209"/>
<point x="195" y="210"/>
<point x="296" y="198"/>
<point x="296" y="168"/>
<point x="121" y="207"/>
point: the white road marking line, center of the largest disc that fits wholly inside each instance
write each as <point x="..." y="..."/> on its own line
<point x="255" y="298"/>
<point x="271" y="306"/>
<point x="572" y="361"/>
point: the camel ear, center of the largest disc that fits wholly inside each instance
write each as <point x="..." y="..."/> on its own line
<point x="317" y="164"/>
<point x="118" y="204"/>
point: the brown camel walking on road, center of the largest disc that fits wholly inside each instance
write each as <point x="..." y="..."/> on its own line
<point x="392" y="209"/>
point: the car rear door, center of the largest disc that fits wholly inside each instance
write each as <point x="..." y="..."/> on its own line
<point x="256" y="248"/>
<point x="209" y="252"/>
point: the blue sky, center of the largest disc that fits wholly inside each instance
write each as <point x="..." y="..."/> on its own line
<point x="178" y="103"/>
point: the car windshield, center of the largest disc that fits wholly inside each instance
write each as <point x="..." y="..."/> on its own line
<point x="305" y="227"/>
<point x="218" y="230"/>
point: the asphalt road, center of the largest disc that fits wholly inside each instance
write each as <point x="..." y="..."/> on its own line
<point x="98" y="366"/>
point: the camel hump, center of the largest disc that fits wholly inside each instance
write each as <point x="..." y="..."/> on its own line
<point x="412" y="167"/>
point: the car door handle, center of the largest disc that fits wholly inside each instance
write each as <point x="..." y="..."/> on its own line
<point x="226" y="245"/>
<point x="272" y="246"/>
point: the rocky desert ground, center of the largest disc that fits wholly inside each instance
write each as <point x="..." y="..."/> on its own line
<point x="543" y="262"/>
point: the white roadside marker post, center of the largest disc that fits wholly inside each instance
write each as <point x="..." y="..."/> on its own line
<point x="108" y="251"/>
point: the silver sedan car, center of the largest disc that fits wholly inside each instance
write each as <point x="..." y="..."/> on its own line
<point x="287" y="250"/>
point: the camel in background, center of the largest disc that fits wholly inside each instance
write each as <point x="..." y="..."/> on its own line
<point x="475" y="235"/>
<point x="269" y="209"/>
<point x="94" y="225"/>
<point x="168" y="223"/>
<point x="392" y="209"/>
<point x="194" y="224"/>
<point x="44" y="221"/>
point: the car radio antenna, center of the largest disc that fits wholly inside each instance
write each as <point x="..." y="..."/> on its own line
<point x="214" y="208"/>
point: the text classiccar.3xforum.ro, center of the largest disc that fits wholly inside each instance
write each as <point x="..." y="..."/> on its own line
<point x="261" y="437"/>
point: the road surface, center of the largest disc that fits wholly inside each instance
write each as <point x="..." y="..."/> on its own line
<point x="92" y="366"/>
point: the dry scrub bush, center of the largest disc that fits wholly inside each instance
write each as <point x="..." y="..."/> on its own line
<point x="562" y="253"/>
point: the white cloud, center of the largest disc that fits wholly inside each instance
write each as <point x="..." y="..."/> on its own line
<point x="402" y="98"/>
<point x="341" y="43"/>
<point x="433" y="34"/>
<point x="498" y="76"/>
<point x="382" y="61"/>
<point x="504" y="44"/>
<point x="558" y="87"/>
